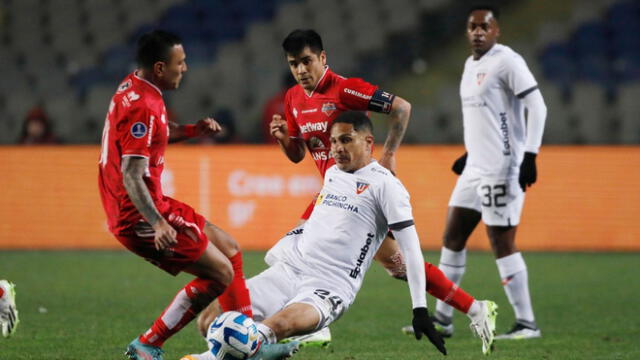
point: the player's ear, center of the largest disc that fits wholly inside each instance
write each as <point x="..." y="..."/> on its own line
<point x="369" y="140"/>
<point x="158" y="68"/>
<point x="323" y="57"/>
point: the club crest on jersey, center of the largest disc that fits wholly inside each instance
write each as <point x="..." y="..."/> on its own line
<point x="138" y="130"/>
<point x="328" y="108"/>
<point x="480" y="78"/>
<point x="361" y="187"/>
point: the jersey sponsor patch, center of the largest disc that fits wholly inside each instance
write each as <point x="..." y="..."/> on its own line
<point x="138" y="130"/>
<point x="361" y="187"/>
<point x="328" y="108"/>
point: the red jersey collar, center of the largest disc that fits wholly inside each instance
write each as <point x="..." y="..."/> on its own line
<point x="135" y="74"/>
<point x="322" y="82"/>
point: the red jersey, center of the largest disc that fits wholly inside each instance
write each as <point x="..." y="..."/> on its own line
<point x="310" y="116"/>
<point x="136" y="125"/>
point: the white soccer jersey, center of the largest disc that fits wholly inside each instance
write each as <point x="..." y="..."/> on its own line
<point x="493" y="115"/>
<point x="351" y="218"/>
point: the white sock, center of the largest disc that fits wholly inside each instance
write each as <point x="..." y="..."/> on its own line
<point x="515" y="280"/>
<point x="267" y="335"/>
<point x="452" y="264"/>
<point x="474" y="310"/>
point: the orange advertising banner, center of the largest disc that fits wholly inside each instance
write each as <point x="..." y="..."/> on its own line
<point x="586" y="198"/>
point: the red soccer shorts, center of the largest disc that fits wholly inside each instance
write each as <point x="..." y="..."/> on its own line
<point x="192" y="241"/>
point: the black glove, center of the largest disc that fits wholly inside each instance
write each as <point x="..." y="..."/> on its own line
<point x="422" y="325"/>
<point x="528" y="171"/>
<point x="459" y="164"/>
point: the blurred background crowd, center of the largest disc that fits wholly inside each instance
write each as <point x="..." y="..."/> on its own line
<point x="61" y="60"/>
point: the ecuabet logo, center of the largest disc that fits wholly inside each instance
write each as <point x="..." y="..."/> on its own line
<point x="361" y="187"/>
<point x="138" y="130"/>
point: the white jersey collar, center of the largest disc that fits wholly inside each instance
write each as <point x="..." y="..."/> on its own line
<point x="326" y="68"/>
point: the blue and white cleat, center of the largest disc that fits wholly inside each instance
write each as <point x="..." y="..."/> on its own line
<point x="276" y="351"/>
<point x="139" y="351"/>
<point x="320" y="338"/>
<point x="8" y="312"/>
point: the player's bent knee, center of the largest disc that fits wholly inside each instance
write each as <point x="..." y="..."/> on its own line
<point x="222" y="240"/>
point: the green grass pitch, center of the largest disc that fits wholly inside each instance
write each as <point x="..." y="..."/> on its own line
<point x="89" y="305"/>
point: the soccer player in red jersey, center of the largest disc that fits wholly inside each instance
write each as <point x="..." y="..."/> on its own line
<point x="310" y="108"/>
<point x="163" y="231"/>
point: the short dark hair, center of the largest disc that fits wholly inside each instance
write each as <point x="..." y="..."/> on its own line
<point x="494" y="10"/>
<point x="298" y="39"/>
<point x="155" y="46"/>
<point x="358" y="119"/>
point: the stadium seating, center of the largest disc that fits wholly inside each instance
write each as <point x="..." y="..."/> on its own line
<point x="67" y="57"/>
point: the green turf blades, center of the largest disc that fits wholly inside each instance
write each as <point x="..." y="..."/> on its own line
<point x="88" y="305"/>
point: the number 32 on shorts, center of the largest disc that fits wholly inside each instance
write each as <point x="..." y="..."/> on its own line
<point x="494" y="195"/>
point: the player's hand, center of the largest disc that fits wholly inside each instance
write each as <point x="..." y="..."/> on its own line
<point x="165" y="235"/>
<point x="422" y="324"/>
<point x="207" y="126"/>
<point x="388" y="160"/>
<point x="278" y="127"/>
<point x="459" y="164"/>
<point x="528" y="171"/>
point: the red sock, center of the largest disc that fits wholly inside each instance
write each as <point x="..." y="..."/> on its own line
<point x="446" y="290"/>
<point x="189" y="301"/>
<point x="236" y="296"/>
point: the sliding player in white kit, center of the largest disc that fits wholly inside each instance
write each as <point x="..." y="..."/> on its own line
<point x="501" y="146"/>
<point x="316" y="272"/>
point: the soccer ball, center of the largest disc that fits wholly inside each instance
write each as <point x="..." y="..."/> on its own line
<point x="233" y="336"/>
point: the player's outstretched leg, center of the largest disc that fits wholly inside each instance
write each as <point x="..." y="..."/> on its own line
<point x="445" y="290"/>
<point x="320" y="338"/>
<point x="139" y="351"/>
<point x="483" y="323"/>
<point x="8" y="312"/>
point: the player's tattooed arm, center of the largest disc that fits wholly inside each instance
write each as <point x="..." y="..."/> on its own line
<point x="133" y="168"/>
<point x="398" y="121"/>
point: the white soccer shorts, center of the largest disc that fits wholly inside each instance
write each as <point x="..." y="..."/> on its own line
<point x="499" y="200"/>
<point x="280" y="285"/>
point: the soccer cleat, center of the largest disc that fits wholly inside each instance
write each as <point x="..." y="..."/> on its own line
<point x="8" y="312"/>
<point x="445" y="330"/>
<point x="520" y="332"/>
<point x="276" y="351"/>
<point x="320" y="338"/>
<point x="139" y="351"/>
<point x="484" y="325"/>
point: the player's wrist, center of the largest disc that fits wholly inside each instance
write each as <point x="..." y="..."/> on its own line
<point x="190" y="131"/>
<point x="420" y="312"/>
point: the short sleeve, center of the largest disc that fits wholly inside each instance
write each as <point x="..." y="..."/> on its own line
<point x="518" y="76"/>
<point x="355" y="94"/>
<point x="290" y="116"/>
<point x="137" y="133"/>
<point x="396" y="205"/>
